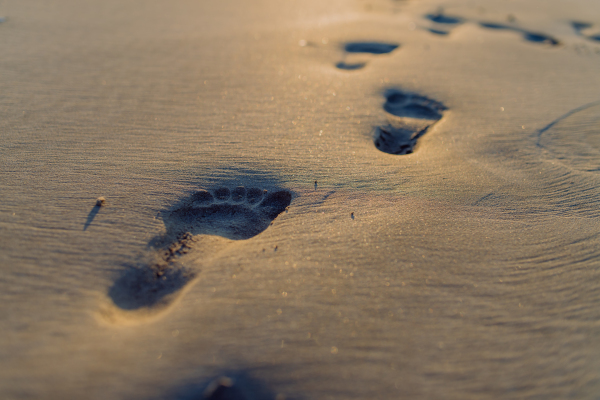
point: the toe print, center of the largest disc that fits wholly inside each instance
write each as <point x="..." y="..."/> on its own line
<point x="236" y="214"/>
<point x="229" y="217"/>
<point x="410" y="116"/>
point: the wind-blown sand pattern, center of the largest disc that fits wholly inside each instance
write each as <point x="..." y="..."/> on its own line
<point x="466" y="268"/>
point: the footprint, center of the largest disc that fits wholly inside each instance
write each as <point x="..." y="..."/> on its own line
<point x="231" y="214"/>
<point x="350" y="67"/>
<point x="236" y="214"/>
<point x="586" y="30"/>
<point x="370" y="47"/>
<point x="442" y="23"/>
<point x="409" y="116"/>
<point x="360" y="49"/>
<point x="527" y="35"/>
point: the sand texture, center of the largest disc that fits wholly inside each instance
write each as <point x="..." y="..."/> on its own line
<point x="300" y="199"/>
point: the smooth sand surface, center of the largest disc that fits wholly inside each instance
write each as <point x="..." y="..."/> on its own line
<point x="457" y="259"/>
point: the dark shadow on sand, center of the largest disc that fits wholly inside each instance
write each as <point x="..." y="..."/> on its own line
<point x="91" y="216"/>
<point x="350" y="67"/>
<point x="440" y="18"/>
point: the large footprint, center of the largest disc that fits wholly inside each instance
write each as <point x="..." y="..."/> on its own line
<point x="238" y="214"/>
<point x="409" y="117"/>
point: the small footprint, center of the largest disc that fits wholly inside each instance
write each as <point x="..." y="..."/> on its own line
<point x="586" y="30"/>
<point x="370" y="47"/>
<point x="236" y="214"/>
<point x="527" y="35"/>
<point x="361" y="48"/>
<point x="442" y="22"/>
<point x="409" y="116"/>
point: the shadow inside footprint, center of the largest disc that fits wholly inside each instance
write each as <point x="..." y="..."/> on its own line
<point x="234" y="214"/>
<point x="350" y="66"/>
<point x="410" y="115"/>
<point x="440" y="18"/>
<point x="359" y="49"/>
<point x="370" y="47"/>
<point x="438" y="32"/>
<point x="529" y="36"/>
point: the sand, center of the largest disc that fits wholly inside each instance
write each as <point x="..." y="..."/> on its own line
<point x="430" y="226"/>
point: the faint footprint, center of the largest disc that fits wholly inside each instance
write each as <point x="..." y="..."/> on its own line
<point x="409" y="116"/>
<point x="442" y="23"/>
<point x="586" y="30"/>
<point x="574" y="138"/>
<point x="353" y="62"/>
<point x="237" y="214"/>
<point x="527" y="35"/>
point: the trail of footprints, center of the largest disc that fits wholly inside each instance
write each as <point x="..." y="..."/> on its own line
<point x="442" y="24"/>
<point x="241" y="213"/>
<point x="236" y="214"/>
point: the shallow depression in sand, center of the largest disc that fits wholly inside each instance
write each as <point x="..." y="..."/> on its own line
<point x="574" y="139"/>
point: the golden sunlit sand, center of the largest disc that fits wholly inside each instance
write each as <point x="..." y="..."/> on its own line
<point x="302" y="199"/>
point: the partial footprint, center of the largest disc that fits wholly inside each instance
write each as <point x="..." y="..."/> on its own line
<point x="409" y="116"/>
<point x="370" y="47"/>
<point x="233" y="214"/>
<point x="527" y="35"/>
<point x="442" y="23"/>
<point x="355" y="52"/>
<point x="586" y="30"/>
<point x="574" y="138"/>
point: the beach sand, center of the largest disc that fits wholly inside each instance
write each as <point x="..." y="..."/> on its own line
<point x="430" y="226"/>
